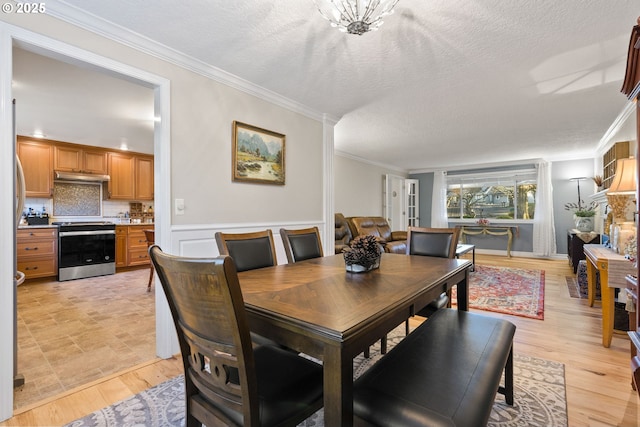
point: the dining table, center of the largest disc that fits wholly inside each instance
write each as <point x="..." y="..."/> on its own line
<point x="318" y="308"/>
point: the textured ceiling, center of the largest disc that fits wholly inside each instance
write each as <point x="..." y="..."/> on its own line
<point x="442" y="83"/>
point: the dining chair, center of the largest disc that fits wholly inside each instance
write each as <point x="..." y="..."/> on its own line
<point x="248" y="250"/>
<point x="301" y="244"/>
<point x="435" y="242"/>
<point x="228" y="381"/>
<point x="149" y="235"/>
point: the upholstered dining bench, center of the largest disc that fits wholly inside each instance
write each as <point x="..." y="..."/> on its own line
<point x="445" y="373"/>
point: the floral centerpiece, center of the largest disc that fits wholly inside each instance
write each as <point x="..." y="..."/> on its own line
<point x="483" y="222"/>
<point x="363" y="253"/>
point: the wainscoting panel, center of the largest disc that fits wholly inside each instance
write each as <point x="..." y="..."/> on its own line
<point x="199" y="240"/>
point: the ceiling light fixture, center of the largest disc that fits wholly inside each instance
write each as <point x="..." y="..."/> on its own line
<point x="355" y="16"/>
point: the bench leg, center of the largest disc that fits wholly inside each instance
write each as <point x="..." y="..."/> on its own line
<point x="507" y="390"/>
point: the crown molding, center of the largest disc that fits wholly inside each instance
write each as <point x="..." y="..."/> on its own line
<point x="370" y="162"/>
<point x="117" y="33"/>
<point x="619" y="122"/>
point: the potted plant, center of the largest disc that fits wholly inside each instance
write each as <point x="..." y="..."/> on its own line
<point x="363" y="253"/>
<point x="583" y="215"/>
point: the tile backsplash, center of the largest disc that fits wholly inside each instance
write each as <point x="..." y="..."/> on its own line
<point x="72" y="199"/>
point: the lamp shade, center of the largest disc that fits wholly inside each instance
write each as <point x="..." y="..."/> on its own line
<point x="624" y="181"/>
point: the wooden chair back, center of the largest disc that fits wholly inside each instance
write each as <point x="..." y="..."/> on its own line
<point x="248" y="250"/>
<point x="436" y="242"/>
<point x="301" y="244"/>
<point x="203" y="293"/>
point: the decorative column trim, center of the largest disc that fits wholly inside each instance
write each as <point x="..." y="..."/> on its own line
<point x="328" y="148"/>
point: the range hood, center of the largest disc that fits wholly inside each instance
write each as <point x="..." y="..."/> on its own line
<point x="85" y="177"/>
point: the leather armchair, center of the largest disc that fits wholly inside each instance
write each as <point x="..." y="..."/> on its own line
<point x="342" y="233"/>
<point x="396" y="241"/>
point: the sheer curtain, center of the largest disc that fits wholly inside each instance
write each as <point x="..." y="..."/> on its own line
<point x="439" y="200"/>
<point x="544" y="234"/>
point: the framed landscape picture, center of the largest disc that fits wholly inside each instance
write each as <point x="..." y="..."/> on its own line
<point x="258" y="155"/>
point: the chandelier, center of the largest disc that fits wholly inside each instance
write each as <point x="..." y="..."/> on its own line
<point x="355" y="16"/>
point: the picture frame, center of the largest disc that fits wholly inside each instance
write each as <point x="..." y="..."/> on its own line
<point x="258" y="155"/>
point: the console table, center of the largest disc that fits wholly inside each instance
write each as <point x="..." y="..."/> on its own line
<point x="493" y="230"/>
<point x="613" y="269"/>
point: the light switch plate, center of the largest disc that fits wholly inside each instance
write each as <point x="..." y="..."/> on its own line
<point x="179" y="206"/>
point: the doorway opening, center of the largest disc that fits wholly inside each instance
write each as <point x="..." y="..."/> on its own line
<point x="159" y="147"/>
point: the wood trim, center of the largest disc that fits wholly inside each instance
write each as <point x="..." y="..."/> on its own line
<point x="632" y="75"/>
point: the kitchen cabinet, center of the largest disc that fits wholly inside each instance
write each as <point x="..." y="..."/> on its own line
<point x="144" y="178"/>
<point x="121" y="246"/>
<point x="131" y="177"/>
<point x="37" y="252"/>
<point x="137" y="246"/>
<point x="79" y="158"/>
<point x="37" y="163"/>
<point x="131" y="245"/>
<point x="121" y="170"/>
<point x="131" y="173"/>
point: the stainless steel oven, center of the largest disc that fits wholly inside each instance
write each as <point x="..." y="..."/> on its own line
<point x="86" y="249"/>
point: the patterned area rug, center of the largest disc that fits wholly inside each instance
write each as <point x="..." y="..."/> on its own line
<point x="507" y="290"/>
<point x="539" y="401"/>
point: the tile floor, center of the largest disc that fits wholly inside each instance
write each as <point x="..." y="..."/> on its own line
<point x="74" y="332"/>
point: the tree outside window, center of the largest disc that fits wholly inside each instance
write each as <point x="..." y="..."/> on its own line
<point x="491" y="198"/>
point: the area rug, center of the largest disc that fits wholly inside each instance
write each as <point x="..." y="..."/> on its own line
<point x="539" y="399"/>
<point x="507" y="290"/>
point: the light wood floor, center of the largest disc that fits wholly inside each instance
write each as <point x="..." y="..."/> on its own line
<point x="598" y="380"/>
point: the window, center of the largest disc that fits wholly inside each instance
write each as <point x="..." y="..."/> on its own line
<point x="506" y="194"/>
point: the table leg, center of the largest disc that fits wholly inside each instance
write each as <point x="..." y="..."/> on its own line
<point x="473" y="258"/>
<point x="338" y="387"/>
<point x="608" y="306"/>
<point x="591" y="282"/>
<point x="509" y="240"/>
<point x="463" y="292"/>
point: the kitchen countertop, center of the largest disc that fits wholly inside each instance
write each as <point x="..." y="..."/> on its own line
<point x="27" y="227"/>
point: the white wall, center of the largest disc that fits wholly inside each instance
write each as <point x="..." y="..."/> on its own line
<point x="359" y="186"/>
<point x="202" y="116"/>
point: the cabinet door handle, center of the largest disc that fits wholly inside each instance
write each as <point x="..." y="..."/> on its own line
<point x="31" y="249"/>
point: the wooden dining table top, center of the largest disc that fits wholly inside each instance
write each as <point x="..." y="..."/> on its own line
<point x="322" y="294"/>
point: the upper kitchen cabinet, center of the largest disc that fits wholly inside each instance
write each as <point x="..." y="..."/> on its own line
<point x="79" y="158"/>
<point x="131" y="176"/>
<point x="37" y="163"/>
<point x="144" y="178"/>
<point x="122" y="172"/>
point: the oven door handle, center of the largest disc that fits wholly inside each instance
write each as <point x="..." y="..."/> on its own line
<point x="86" y="233"/>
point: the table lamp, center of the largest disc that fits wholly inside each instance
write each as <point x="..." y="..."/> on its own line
<point x="620" y="195"/>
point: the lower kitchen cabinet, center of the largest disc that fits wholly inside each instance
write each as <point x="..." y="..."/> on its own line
<point x="37" y="252"/>
<point x="121" y="246"/>
<point x="131" y="245"/>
